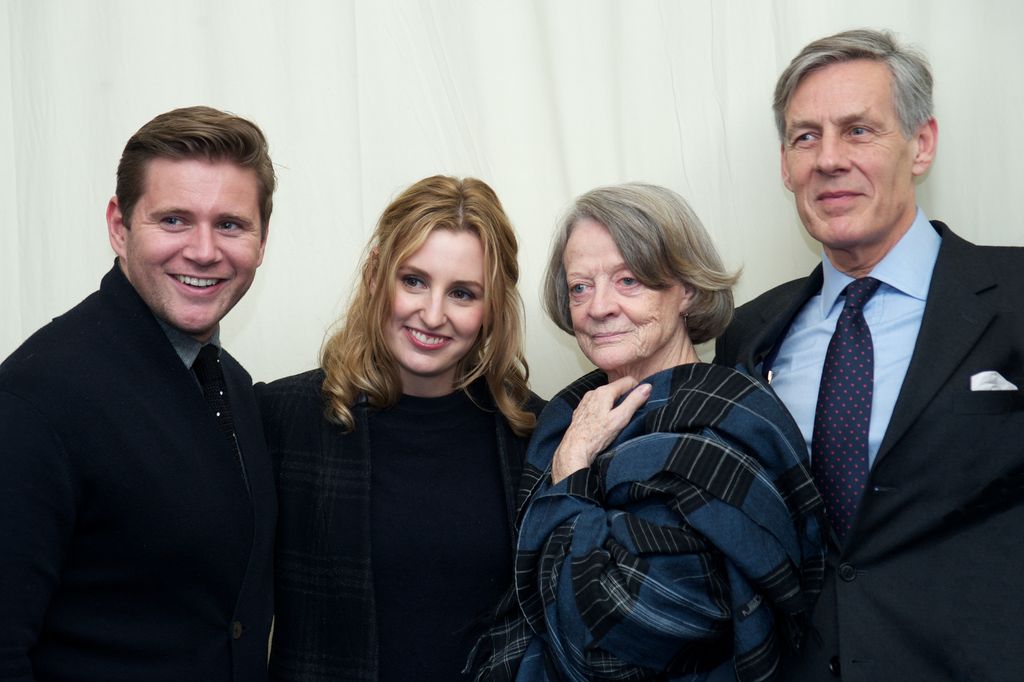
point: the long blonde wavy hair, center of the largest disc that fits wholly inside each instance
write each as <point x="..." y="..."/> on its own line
<point x="356" y="358"/>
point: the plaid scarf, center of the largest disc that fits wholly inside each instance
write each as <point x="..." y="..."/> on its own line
<point x="696" y="542"/>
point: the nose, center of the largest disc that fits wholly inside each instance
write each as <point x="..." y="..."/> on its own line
<point x="202" y="245"/>
<point x="603" y="304"/>
<point x="433" y="313"/>
<point x="832" y="154"/>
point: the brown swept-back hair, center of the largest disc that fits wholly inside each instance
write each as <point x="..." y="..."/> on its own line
<point x="356" y="358"/>
<point x="195" y="133"/>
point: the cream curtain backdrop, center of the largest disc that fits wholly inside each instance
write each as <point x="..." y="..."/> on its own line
<point x="543" y="100"/>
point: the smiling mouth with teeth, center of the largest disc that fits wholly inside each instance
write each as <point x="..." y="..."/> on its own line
<point x="196" y="281"/>
<point x="426" y="339"/>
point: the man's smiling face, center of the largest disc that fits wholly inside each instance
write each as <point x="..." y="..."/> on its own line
<point x="194" y="241"/>
<point x="849" y="165"/>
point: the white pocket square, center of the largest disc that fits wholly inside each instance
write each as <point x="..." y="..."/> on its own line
<point x="990" y="381"/>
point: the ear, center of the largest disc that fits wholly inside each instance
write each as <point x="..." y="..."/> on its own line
<point x="785" y="169"/>
<point x="687" y="298"/>
<point x="263" y="243"/>
<point x="117" y="231"/>
<point x="927" y="140"/>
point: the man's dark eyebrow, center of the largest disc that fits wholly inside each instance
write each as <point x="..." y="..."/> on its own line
<point x="235" y="218"/>
<point x="170" y="210"/>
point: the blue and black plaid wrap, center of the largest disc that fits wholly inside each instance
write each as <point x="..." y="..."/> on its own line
<point x="695" y="542"/>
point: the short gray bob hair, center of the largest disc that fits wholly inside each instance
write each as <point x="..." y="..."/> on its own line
<point x="662" y="242"/>
<point x="911" y="75"/>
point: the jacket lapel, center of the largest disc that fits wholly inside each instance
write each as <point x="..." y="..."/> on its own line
<point x="775" y="319"/>
<point x="954" y="319"/>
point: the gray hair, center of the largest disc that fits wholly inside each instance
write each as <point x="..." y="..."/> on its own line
<point x="911" y="75"/>
<point x="663" y="243"/>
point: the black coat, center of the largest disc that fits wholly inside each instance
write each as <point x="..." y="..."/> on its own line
<point x="927" y="586"/>
<point x="129" y="546"/>
<point x="325" y="627"/>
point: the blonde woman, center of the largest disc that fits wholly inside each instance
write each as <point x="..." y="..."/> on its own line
<point x="398" y="459"/>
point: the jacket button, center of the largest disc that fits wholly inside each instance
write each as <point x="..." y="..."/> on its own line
<point x="236" y="630"/>
<point x="847" y="573"/>
<point x="833" y="666"/>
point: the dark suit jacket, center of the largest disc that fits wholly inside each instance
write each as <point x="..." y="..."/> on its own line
<point x="928" y="585"/>
<point x="130" y="548"/>
<point x="326" y="617"/>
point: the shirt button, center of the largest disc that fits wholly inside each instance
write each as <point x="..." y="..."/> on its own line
<point x="847" y="573"/>
<point x="833" y="666"/>
<point x="236" y="630"/>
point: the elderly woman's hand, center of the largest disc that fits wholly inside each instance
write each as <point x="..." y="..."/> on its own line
<point x="595" y="423"/>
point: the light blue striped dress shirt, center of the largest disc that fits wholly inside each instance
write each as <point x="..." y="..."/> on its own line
<point x="893" y="314"/>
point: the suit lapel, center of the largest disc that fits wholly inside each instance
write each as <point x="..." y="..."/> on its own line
<point x="954" y="319"/>
<point x="775" y="319"/>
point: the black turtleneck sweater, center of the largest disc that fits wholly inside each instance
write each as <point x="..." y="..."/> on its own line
<point x="440" y="538"/>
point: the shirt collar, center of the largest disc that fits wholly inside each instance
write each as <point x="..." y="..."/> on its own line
<point x="907" y="267"/>
<point x="185" y="346"/>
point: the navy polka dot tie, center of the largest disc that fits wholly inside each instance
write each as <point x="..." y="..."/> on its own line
<point x="839" y="443"/>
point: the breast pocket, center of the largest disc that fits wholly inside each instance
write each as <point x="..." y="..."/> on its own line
<point x="988" y="402"/>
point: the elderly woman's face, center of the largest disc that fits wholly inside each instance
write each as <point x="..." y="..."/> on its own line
<point x="622" y="326"/>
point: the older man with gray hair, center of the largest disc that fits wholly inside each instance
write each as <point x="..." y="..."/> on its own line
<point x="901" y="357"/>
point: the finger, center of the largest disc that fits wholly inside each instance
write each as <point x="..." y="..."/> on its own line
<point x="620" y="386"/>
<point x="633" y="401"/>
<point x="604" y="397"/>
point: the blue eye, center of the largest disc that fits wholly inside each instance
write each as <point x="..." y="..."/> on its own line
<point x="577" y="288"/>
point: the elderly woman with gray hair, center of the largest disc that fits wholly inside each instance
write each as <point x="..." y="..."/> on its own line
<point x="668" y="525"/>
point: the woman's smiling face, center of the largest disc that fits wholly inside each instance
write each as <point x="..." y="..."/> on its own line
<point x="438" y="311"/>
<point x="622" y="326"/>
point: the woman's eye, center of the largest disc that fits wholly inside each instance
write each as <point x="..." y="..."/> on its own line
<point x="412" y="281"/>
<point x="463" y="295"/>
